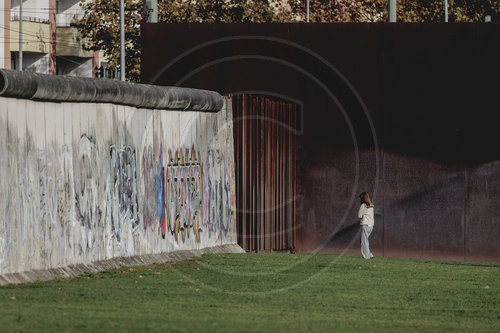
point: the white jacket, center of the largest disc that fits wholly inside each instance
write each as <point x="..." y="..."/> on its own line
<point x="366" y="215"/>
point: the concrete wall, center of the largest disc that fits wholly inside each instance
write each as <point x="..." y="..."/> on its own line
<point x="88" y="182"/>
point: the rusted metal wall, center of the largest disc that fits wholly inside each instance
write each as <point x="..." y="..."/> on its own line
<point x="265" y="162"/>
<point x="403" y="111"/>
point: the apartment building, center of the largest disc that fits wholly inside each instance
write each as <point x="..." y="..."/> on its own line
<point x="49" y="44"/>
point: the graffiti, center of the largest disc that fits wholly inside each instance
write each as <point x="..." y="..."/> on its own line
<point x="48" y="174"/>
<point x="148" y="177"/>
<point x="64" y="184"/>
<point x="153" y="173"/>
<point x="124" y="201"/>
<point x="159" y="190"/>
<point x="219" y="194"/>
<point x="74" y="198"/>
<point x="183" y="194"/>
<point x="86" y="189"/>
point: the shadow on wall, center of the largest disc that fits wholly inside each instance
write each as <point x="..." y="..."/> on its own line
<point x="446" y="217"/>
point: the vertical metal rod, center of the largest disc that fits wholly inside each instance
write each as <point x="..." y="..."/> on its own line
<point x="249" y="175"/>
<point x="251" y="187"/>
<point x="446" y="10"/>
<point x="307" y="16"/>
<point x="236" y="163"/>
<point x="280" y="173"/>
<point x="244" y="171"/>
<point x="290" y="179"/>
<point x="257" y="171"/>
<point x="263" y="171"/>
<point x="238" y="169"/>
<point x="383" y="202"/>
<point x="280" y="188"/>
<point x="255" y="163"/>
<point x="285" y="175"/>
<point x="21" y="35"/>
<point x="235" y="107"/>
<point x="392" y="10"/>
<point x="282" y="185"/>
<point x="268" y="174"/>
<point x="279" y="152"/>
<point x="122" y="40"/>
<point x="276" y="176"/>
<point x="273" y="178"/>
<point x="294" y="175"/>
<point x="152" y="10"/>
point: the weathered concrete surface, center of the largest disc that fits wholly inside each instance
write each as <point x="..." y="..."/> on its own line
<point x="86" y="182"/>
<point x="99" y="266"/>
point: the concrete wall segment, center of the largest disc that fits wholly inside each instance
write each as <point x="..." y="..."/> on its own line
<point x="86" y="182"/>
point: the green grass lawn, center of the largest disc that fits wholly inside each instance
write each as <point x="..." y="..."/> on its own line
<point x="264" y="292"/>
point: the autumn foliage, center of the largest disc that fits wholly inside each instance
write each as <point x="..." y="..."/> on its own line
<point x="100" y="23"/>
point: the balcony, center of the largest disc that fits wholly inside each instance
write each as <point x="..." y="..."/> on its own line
<point x="15" y="17"/>
<point x="36" y="37"/>
<point x="69" y="45"/>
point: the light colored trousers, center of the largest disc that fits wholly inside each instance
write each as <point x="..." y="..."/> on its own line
<point x="366" y="230"/>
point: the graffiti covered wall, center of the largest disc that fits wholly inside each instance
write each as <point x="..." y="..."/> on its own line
<point x="86" y="182"/>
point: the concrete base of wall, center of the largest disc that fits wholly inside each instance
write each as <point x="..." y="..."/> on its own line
<point x="143" y="260"/>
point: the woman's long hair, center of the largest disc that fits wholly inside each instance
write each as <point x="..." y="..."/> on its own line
<point x="365" y="199"/>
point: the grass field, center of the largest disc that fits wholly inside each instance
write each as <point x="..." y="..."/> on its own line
<point x="269" y="292"/>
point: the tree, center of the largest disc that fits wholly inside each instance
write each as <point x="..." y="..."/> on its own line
<point x="206" y="11"/>
<point x="340" y="10"/>
<point x="407" y="10"/>
<point x="458" y="10"/>
<point x="100" y="26"/>
<point x="100" y="23"/>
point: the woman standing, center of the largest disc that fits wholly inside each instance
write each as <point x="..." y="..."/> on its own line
<point x="367" y="221"/>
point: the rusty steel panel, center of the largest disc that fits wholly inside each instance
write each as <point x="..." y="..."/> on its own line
<point x="265" y="176"/>
<point x="417" y="132"/>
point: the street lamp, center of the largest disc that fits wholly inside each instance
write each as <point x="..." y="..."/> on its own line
<point x="446" y="10"/>
<point x="20" y="35"/>
<point x="392" y="10"/>
<point x="122" y="40"/>
<point x="307" y="17"/>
